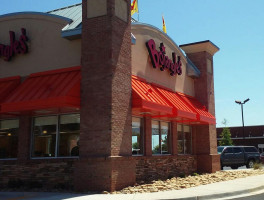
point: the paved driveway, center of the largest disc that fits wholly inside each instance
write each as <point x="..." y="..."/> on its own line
<point x="229" y="168"/>
<point x="37" y="195"/>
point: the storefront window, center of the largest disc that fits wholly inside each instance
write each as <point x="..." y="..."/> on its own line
<point x="187" y="140"/>
<point x="55" y="136"/>
<point x="69" y="135"/>
<point x="137" y="136"/>
<point x="184" y="139"/>
<point x="9" y="138"/>
<point x="45" y="134"/>
<point x="180" y="139"/>
<point x="160" y="137"/>
<point x="164" y="128"/>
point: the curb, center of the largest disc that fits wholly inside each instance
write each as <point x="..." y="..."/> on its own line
<point x="220" y="195"/>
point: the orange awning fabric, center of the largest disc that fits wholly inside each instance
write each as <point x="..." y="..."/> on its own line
<point x="159" y="102"/>
<point x="146" y="100"/>
<point x="7" y="86"/>
<point x="51" y="89"/>
<point x="181" y="111"/>
<point x="203" y="116"/>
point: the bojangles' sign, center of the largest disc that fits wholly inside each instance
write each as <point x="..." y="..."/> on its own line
<point x="15" y="47"/>
<point x="158" y="58"/>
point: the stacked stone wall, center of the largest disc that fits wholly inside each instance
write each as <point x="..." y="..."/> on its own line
<point x="48" y="174"/>
<point x="163" y="167"/>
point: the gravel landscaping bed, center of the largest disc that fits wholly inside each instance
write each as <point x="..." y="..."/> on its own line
<point x="178" y="183"/>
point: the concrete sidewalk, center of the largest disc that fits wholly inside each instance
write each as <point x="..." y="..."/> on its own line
<point x="221" y="190"/>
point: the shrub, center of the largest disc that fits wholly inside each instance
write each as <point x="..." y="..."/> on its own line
<point x="181" y="175"/>
<point x="257" y="166"/>
<point x="170" y="176"/>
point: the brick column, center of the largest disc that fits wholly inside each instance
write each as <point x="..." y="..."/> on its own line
<point x="105" y="138"/>
<point x="147" y="136"/>
<point x="24" y="136"/>
<point x="201" y="54"/>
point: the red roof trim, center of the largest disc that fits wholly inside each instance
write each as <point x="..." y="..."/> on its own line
<point x="180" y="108"/>
<point x="146" y="98"/>
<point x="8" y="85"/>
<point x="138" y="78"/>
<point x="56" y="102"/>
<point x="56" y="71"/>
<point x="189" y="108"/>
<point x="10" y="78"/>
<point x="161" y="86"/>
<point x="44" y="90"/>
<point x="202" y="114"/>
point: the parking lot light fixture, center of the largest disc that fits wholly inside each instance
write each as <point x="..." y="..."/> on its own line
<point x="242" y="103"/>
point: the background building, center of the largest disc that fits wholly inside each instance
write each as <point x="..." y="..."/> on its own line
<point x="253" y="136"/>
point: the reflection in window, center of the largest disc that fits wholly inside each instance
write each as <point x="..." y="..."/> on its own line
<point x="137" y="136"/>
<point x="184" y="139"/>
<point x="8" y="138"/>
<point x="55" y="136"/>
<point x="69" y="135"/>
<point x="45" y="132"/>
<point x="160" y="137"/>
<point x="180" y="139"/>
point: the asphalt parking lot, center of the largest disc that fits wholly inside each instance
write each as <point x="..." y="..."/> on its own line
<point x="229" y="168"/>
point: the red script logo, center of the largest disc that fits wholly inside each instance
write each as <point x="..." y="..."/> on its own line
<point x="15" y="47"/>
<point x="158" y="58"/>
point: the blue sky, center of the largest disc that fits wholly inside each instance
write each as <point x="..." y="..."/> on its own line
<point x="236" y="27"/>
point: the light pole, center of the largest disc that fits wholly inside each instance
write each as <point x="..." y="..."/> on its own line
<point x="242" y="103"/>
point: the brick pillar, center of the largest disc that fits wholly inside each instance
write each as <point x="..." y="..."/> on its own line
<point x="201" y="54"/>
<point x="174" y="139"/>
<point x="105" y="138"/>
<point x="147" y="136"/>
<point x="24" y="136"/>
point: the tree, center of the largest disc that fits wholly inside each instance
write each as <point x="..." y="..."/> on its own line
<point x="225" y="136"/>
<point x="164" y="146"/>
<point x="135" y="145"/>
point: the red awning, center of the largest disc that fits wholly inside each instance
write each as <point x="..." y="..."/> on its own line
<point x="203" y="116"/>
<point x="7" y="86"/>
<point x="146" y="100"/>
<point x="44" y="90"/>
<point x="181" y="111"/>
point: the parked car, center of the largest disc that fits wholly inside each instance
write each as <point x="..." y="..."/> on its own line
<point x="262" y="157"/>
<point x="237" y="156"/>
<point x="220" y="149"/>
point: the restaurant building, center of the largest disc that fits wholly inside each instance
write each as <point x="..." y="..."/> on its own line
<point x="91" y="101"/>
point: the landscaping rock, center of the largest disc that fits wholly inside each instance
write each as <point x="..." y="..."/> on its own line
<point x="177" y="183"/>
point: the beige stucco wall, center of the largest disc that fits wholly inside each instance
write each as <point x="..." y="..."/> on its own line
<point x="47" y="49"/>
<point x="141" y="64"/>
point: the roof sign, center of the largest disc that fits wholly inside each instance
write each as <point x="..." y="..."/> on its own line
<point x="158" y="58"/>
<point x="15" y="47"/>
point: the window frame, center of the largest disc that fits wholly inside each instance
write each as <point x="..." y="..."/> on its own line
<point x="142" y="135"/>
<point x="184" y="139"/>
<point x="57" y="136"/>
<point x="160" y="137"/>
